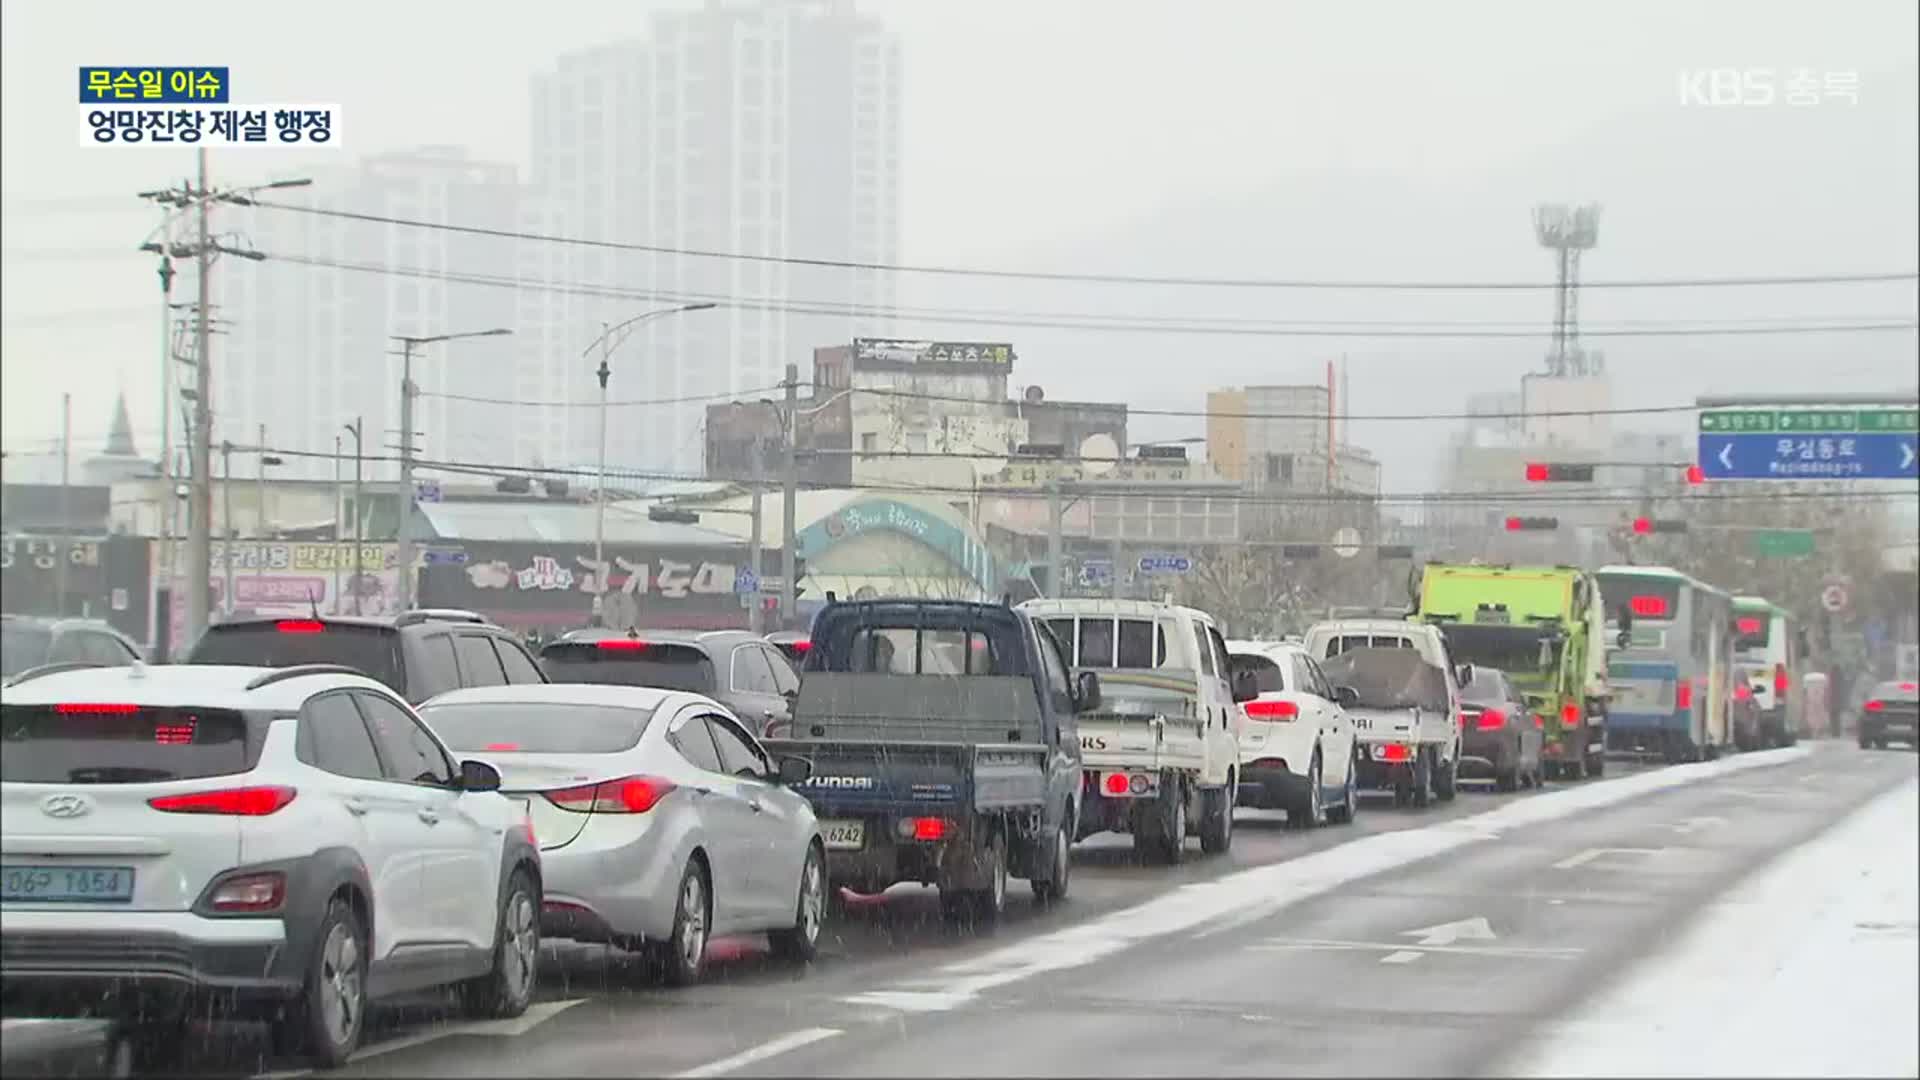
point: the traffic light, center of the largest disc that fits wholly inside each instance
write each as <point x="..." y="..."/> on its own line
<point x="1696" y="475"/>
<point x="1299" y="551"/>
<point x="1395" y="551"/>
<point x="677" y="517"/>
<point x="1646" y="526"/>
<point x="1532" y="524"/>
<point x="1540" y="472"/>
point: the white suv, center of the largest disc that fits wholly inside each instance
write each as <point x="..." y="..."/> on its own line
<point x="284" y="845"/>
<point x="1297" y="749"/>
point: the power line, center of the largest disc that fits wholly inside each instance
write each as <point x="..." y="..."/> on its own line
<point x="730" y="395"/>
<point x="1082" y="321"/>
<point x="1114" y="279"/>
<point x="1640" y="410"/>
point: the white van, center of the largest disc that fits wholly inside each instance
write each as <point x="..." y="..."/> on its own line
<point x="1159" y="755"/>
<point x="1435" y="767"/>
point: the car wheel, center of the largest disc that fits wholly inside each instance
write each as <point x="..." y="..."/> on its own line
<point x="1423" y="780"/>
<point x="1054" y="889"/>
<point x="1343" y="812"/>
<point x="1596" y="765"/>
<point x="1173" y="823"/>
<point x="507" y="990"/>
<point x="1216" y="822"/>
<point x="1310" y="812"/>
<point x="683" y="955"/>
<point x="1508" y="779"/>
<point x="1446" y="781"/>
<point x="325" y="1024"/>
<point x="801" y="941"/>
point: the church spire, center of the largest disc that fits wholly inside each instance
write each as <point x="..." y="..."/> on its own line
<point x="120" y="436"/>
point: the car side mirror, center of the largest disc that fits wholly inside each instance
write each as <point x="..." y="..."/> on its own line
<point x="1245" y="687"/>
<point x="794" y="770"/>
<point x="478" y="776"/>
<point x="791" y="695"/>
<point x="1087" y="692"/>
<point x="1463" y="674"/>
<point x="1347" y="696"/>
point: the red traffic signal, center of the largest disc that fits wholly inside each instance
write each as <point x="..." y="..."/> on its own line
<point x="1696" y="475"/>
<point x="1540" y="472"/>
<point x="1646" y="526"/>
<point x="1532" y="524"/>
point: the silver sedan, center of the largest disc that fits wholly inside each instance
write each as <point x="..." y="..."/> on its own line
<point x="661" y="821"/>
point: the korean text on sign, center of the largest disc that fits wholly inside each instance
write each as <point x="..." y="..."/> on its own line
<point x="259" y="125"/>
<point x="153" y="85"/>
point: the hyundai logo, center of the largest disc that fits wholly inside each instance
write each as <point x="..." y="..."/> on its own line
<point x="66" y="805"/>
<point x="854" y="782"/>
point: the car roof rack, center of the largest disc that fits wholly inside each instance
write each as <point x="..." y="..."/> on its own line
<point x="421" y="615"/>
<point x="301" y="671"/>
<point x="54" y="669"/>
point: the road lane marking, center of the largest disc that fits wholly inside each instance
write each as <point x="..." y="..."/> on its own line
<point x="1403" y="956"/>
<point x="1474" y="929"/>
<point x="1589" y="855"/>
<point x="535" y="1015"/>
<point x="1337" y="945"/>
<point x="793" y="1040"/>
<point x="1266" y="890"/>
<point x="1695" y="824"/>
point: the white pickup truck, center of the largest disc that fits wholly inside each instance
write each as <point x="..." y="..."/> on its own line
<point x="1406" y="718"/>
<point x="1159" y="755"/>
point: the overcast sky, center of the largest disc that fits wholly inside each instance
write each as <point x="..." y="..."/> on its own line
<point x="1330" y="139"/>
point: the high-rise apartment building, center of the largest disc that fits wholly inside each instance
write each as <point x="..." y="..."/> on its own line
<point x="731" y="137"/>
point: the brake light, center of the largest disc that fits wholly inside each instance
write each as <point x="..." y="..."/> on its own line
<point x="1683" y="695"/>
<point x="800" y="646"/>
<point x="238" y="802"/>
<point x="1910" y="687"/>
<point x="250" y="892"/>
<point x="300" y="626"/>
<point x="173" y="734"/>
<point x="931" y="828"/>
<point x="1539" y="722"/>
<point x="1491" y="720"/>
<point x="1272" y="710"/>
<point x="1780" y="680"/>
<point x="622" y="645"/>
<point x="1569" y="715"/>
<point x="503" y="746"/>
<point x="70" y="708"/>
<point x="1394" y="752"/>
<point x="1875" y="706"/>
<point x="627" y="795"/>
<point x="1116" y="783"/>
<point x="1649" y="607"/>
<point x="1742" y="693"/>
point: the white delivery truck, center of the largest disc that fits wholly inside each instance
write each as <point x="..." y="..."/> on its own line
<point x="1409" y="742"/>
<point x="1159" y="754"/>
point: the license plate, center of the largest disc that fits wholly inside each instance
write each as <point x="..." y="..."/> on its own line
<point x="81" y="884"/>
<point x="844" y="835"/>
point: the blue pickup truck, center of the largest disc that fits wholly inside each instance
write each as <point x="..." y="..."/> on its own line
<point x="944" y="749"/>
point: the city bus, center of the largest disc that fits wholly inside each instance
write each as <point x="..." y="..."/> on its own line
<point x="1669" y="682"/>
<point x="1766" y="643"/>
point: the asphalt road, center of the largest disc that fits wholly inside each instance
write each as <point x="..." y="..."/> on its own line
<point x="1411" y="942"/>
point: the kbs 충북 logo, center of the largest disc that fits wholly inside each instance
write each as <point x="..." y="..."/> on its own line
<point x="191" y="106"/>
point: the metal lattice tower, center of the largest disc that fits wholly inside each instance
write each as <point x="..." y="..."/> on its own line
<point x="1569" y="232"/>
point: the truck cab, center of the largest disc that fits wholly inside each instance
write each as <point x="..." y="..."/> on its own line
<point x="1431" y="766"/>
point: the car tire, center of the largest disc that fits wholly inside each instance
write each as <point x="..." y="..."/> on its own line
<point x="682" y="958"/>
<point x="506" y="991"/>
<point x="800" y="943"/>
<point x="1173" y="822"/>
<point x="325" y="1024"/>
<point x="1343" y="813"/>
<point x="1054" y="889"/>
<point x="153" y="1045"/>
<point x="1509" y="780"/>
<point x="1596" y="765"/>
<point x="1216" y="818"/>
<point x="1310" y="810"/>
<point x="1446" y="782"/>
<point x="1422" y="788"/>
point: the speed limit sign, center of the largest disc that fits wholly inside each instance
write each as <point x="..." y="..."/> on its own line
<point x="1834" y="598"/>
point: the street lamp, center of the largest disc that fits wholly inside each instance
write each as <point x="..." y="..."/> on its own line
<point x="408" y="392"/>
<point x="359" y="513"/>
<point x="605" y="344"/>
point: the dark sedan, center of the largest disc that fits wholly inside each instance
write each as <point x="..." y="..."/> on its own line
<point x="1502" y="737"/>
<point x="737" y="669"/>
<point x="1891" y="714"/>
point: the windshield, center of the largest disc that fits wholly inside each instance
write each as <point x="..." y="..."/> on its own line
<point x="1485" y="688"/>
<point x="1521" y="651"/>
<point x="372" y="649"/>
<point x="1390" y="679"/>
<point x="1108" y="643"/>
<point x="23" y="646"/>
<point x="628" y="662"/>
<point x="543" y="728"/>
<point x="113" y="744"/>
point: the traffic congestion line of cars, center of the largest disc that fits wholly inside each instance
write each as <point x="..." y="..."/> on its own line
<point x="296" y="821"/>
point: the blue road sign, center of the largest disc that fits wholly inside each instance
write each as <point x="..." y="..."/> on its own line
<point x="1833" y="456"/>
<point x="444" y="557"/>
<point x="746" y="581"/>
<point x="1165" y="564"/>
<point x="1096" y="571"/>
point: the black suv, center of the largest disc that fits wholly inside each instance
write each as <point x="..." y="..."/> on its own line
<point x="28" y="641"/>
<point x="418" y="653"/>
<point x="737" y="669"/>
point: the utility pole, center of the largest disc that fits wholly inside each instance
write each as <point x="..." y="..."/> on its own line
<point x="790" y="492"/>
<point x="600" y="491"/>
<point x="405" y="545"/>
<point x="339" y="511"/>
<point x="226" y="512"/>
<point x="1056" y="513"/>
<point x="165" y="504"/>
<point x="260" y="503"/>
<point x="358" y="428"/>
<point x="1113" y="557"/>
<point x="66" y="515"/>
<point x="756" y="614"/>
<point x="200" y="501"/>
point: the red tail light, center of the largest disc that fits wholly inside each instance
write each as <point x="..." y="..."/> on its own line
<point x="1394" y="752"/>
<point x="1272" y="710"/>
<point x="1875" y="706"/>
<point x="1910" y="687"/>
<point x="1649" y="607"/>
<point x="622" y="645"/>
<point x="1539" y="722"/>
<point x="1491" y="720"/>
<point x="627" y="795"/>
<point x="70" y="708"/>
<point x="800" y="646"/>
<point x="1780" y="680"/>
<point x="250" y="892"/>
<point x="931" y="828"/>
<point x="300" y="626"/>
<point x="1742" y="692"/>
<point x="1116" y="783"/>
<point x="238" y="802"/>
<point x="506" y="747"/>
<point x="1683" y="695"/>
<point x="1570" y="715"/>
